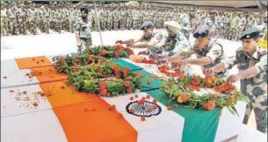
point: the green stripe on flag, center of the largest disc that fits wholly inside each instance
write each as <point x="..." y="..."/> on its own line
<point x="147" y="82"/>
<point x="125" y="64"/>
<point x="199" y="125"/>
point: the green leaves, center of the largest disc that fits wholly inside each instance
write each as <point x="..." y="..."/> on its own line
<point x="176" y="90"/>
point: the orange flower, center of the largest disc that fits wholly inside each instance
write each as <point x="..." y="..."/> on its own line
<point x="214" y="95"/>
<point x="185" y="97"/>
<point x="210" y="105"/>
<point x="169" y="84"/>
<point x="142" y="118"/>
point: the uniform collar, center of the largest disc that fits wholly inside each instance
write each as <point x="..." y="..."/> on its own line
<point x="256" y="54"/>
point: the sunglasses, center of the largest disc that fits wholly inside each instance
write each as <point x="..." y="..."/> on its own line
<point x="198" y="35"/>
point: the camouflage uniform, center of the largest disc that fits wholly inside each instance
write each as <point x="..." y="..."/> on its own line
<point x="84" y="30"/>
<point x="254" y="88"/>
<point x="173" y="45"/>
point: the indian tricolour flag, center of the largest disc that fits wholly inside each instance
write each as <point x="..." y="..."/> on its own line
<point x="42" y="108"/>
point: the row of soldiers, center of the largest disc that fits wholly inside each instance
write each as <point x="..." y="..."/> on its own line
<point x="36" y="19"/>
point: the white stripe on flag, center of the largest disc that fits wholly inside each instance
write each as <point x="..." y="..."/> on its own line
<point x="20" y="102"/>
<point x="42" y="126"/>
<point x="155" y="128"/>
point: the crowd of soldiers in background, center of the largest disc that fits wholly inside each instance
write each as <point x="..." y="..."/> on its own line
<point x="26" y="19"/>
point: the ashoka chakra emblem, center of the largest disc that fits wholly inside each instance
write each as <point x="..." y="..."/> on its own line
<point x="147" y="109"/>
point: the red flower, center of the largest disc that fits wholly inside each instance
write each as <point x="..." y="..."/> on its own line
<point x="148" y="97"/>
<point x="58" y="68"/>
<point x="125" y="74"/>
<point x="100" y="70"/>
<point x="127" y="69"/>
<point x="102" y="85"/>
<point x="176" y="105"/>
<point x="129" y="90"/>
<point x="140" y="102"/>
<point x="104" y="92"/>
<point x="131" y="98"/>
<point x="155" y="100"/>
<point x="118" y="76"/>
<point x="103" y="53"/>
<point x="169" y="108"/>
<point x="126" y="84"/>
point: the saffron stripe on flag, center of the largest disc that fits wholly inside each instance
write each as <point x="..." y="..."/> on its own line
<point x="33" y="62"/>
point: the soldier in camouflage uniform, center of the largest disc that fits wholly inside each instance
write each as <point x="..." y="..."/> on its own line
<point x="83" y="30"/>
<point x="175" y="43"/>
<point x="253" y="86"/>
<point x="4" y="20"/>
<point x="150" y="38"/>
<point x="209" y="52"/>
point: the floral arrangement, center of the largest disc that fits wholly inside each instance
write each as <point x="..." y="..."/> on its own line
<point x="222" y="94"/>
<point x="106" y="79"/>
<point x="117" y="51"/>
<point x="165" y="70"/>
<point x="70" y="64"/>
<point x="92" y="55"/>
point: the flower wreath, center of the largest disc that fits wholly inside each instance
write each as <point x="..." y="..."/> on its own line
<point x="106" y="79"/>
<point x="183" y="91"/>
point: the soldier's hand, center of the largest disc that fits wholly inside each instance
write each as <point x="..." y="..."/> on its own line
<point x="143" y="52"/>
<point x="209" y="71"/>
<point x="161" y="62"/>
<point x="175" y="58"/>
<point x="233" y="78"/>
<point x="79" y="44"/>
<point x="175" y="65"/>
<point x="154" y="57"/>
<point x="119" y="42"/>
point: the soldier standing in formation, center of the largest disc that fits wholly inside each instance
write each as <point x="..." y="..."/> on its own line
<point x="62" y="16"/>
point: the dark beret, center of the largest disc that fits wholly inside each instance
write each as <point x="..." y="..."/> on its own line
<point x="250" y="33"/>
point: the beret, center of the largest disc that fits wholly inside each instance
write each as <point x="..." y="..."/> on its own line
<point x="250" y="33"/>
<point x="201" y="32"/>
<point x="147" y="25"/>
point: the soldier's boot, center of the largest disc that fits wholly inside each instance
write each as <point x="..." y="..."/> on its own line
<point x="261" y="119"/>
